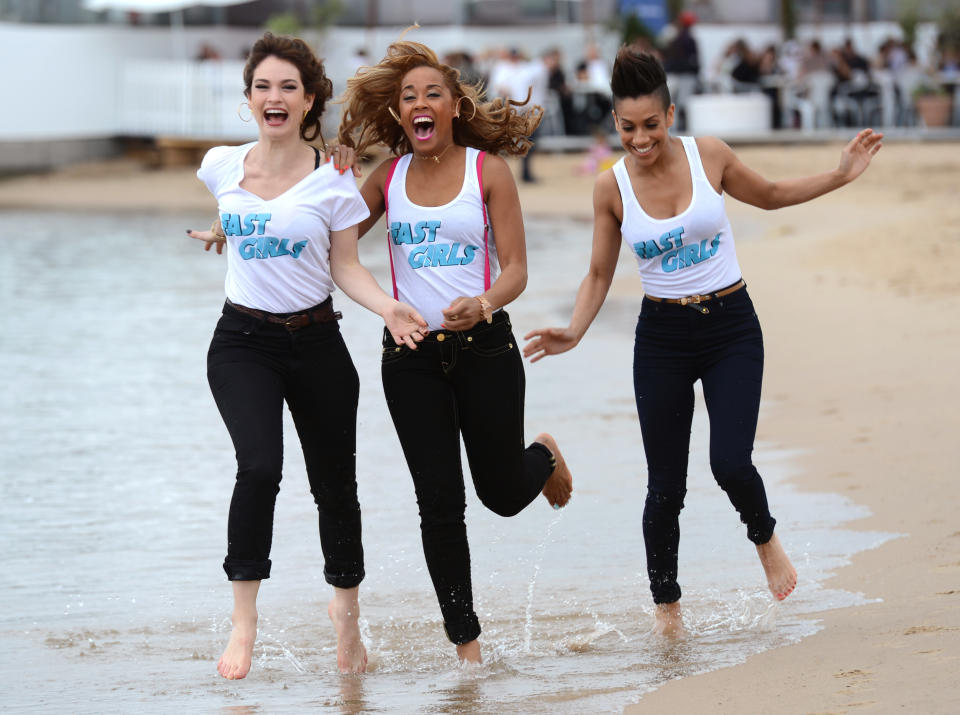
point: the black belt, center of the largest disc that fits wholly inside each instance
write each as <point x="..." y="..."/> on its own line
<point x="322" y="313"/>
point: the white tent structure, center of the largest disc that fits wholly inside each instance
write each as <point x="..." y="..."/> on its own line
<point x="174" y="7"/>
<point x="178" y="97"/>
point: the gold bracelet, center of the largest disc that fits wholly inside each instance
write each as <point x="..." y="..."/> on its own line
<point x="486" y="310"/>
<point x="220" y="235"/>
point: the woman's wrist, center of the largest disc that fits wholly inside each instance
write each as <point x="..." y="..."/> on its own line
<point x="387" y="304"/>
<point x="486" y="309"/>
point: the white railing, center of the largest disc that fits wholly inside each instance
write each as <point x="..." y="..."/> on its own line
<point x="183" y="99"/>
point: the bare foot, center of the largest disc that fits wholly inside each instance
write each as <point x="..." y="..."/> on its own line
<point x="668" y="620"/>
<point x="559" y="485"/>
<point x="781" y="576"/>
<point x="235" y="662"/>
<point x="469" y="652"/>
<point x="344" y="611"/>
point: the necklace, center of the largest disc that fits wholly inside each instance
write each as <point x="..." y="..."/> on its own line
<point x="436" y="157"/>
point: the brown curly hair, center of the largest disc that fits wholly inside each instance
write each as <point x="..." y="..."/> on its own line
<point x="495" y="126"/>
<point x="312" y="75"/>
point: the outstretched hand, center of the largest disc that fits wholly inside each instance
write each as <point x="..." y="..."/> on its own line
<point x="406" y="325"/>
<point x="856" y="156"/>
<point x="210" y="238"/>
<point x="548" y="341"/>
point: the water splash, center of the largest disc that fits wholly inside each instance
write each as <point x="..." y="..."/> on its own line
<point x="528" y="614"/>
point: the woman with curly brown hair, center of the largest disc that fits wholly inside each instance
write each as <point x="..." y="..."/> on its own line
<point x="458" y="254"/>
<point x="290" y="222"/>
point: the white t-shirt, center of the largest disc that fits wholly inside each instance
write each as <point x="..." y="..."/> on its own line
<point x="438" y="252"/>
<point x="278" y="250"/>
<point x="691" y="253"/>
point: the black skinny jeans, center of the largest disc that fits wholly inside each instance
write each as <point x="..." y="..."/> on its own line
<point x="252" y="367"/>
<point x="675" y="346"/>
<point x="468" y="383"/>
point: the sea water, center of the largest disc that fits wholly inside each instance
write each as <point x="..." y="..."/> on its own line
<point x="117" y="473"/>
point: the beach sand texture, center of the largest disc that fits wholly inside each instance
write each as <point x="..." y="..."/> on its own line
<point x="859" y="296"/>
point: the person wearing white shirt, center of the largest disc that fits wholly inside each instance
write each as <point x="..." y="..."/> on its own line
<point x="290" y="233"/>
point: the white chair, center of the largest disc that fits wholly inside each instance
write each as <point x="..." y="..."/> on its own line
<point x="814" y="105"/>
<point x="907" y="80"/>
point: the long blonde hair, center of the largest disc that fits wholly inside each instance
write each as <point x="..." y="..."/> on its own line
<point x="496" y="126"/>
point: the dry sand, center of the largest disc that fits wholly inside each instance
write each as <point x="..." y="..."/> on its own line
<point x="859" y="296"/>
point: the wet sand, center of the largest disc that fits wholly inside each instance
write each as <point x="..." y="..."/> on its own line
<point x="858" y="294"/>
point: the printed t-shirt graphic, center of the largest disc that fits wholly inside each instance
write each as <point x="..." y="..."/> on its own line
<point x="438" y="251"/>
<point x="278" y="250"/>
<point x="688" y="254"/>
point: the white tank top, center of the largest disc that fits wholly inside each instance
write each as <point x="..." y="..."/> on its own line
<point x="437" y="252"/>
<point x="689" y="254"/>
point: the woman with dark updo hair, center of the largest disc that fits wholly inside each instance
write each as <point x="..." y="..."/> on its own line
<point x="665" y="201"/>
<point x="290" y="220"/>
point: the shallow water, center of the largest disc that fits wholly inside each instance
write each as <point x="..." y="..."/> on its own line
<point x="117" y="473"/>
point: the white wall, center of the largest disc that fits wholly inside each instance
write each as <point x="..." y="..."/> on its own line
<point x="63" y="82"/>
<point x="67" y="79"/>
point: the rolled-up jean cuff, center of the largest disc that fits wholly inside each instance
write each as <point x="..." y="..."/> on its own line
<point x="460" y="632"/>
<point x="246" y="570"/>
<point x="666" y="593"/>
<point x="761" y="534"/>
<point x="343" y="580"/>
<point x="547" y="455"/>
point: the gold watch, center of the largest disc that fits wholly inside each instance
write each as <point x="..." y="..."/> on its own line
<point x="486" y="310"/>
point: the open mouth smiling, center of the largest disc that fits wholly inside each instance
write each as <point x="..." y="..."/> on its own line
<point x="275" y="117"/>
<point x="423" y="127"/>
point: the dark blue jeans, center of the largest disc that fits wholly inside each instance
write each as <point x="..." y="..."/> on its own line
<point x="468" y="383"/>
<point x="252" y="368"/>
<point x="677" y="345"/>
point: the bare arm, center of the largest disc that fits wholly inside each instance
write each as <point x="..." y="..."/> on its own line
<point x="405" y="324"/>
<point x="506" y="222"/>
<point x="596" y="284"/>
<point x="745" y="184"/>
<point x="372" y="193"/>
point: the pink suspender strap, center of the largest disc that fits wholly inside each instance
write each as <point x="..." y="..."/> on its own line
<point x="486" y="224"/>
<point x="386" y="217"/>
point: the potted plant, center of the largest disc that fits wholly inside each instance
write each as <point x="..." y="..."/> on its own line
<point x="933" y="104"/>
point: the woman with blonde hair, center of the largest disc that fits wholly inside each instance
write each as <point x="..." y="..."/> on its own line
<point x="458" y="255"/>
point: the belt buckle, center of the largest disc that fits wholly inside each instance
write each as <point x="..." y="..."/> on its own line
<point x="292" y="323"/>
<point x="694" y="301"/>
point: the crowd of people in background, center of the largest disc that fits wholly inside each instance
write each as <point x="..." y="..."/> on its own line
<point x="809" y="85"/>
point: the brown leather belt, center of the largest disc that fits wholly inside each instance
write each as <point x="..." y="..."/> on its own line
<point x="323" y="313"/>
<point x="697" y="299"/>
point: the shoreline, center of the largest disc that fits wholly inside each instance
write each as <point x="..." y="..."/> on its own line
<point x="858" y="300"/>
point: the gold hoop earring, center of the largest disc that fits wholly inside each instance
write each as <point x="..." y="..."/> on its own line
<point x="474" y="104"/>
<point x="304" y="117"/>
<point x="240" y="115"/>
<point x="393" y="114"/>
